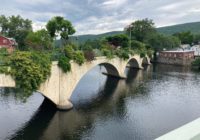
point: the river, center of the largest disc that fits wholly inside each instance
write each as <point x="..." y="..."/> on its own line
<point x="150" y="103"/>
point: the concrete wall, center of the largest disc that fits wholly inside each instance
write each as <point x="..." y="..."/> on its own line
<point x="60" y="86"/>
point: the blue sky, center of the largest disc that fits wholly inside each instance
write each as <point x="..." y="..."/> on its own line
<point x="99" y="16"/>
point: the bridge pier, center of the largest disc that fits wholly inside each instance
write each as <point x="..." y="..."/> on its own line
<point x="66" y="105"/>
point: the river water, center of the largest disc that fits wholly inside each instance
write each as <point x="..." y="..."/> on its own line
<point x="150" y="103"/>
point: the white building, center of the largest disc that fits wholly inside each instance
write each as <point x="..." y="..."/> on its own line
<point x="196" y="49"/>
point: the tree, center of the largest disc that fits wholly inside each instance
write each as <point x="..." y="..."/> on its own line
<point x="159" y="42"/>
<point x="118" y="40"/>
<point x="40" y="40"/>
<point x="141" y="29"/>
<point x="58" y="26"/>
<point x="185" y="37"/>
<point x="196" y="39"/>
<point x="16" y="27"/>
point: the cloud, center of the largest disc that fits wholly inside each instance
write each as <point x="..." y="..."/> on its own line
<point x="98" y="16"/>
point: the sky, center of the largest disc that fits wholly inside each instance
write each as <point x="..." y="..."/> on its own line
<point x="100" y="16"/>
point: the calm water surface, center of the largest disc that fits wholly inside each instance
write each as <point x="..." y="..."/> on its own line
<point x="148" y="104"/>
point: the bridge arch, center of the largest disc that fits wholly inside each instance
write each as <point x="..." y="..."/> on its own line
<point x="133" y="63"/>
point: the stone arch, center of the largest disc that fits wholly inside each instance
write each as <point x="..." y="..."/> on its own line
<point x="133" y="63"/>
<point x="146" y="61"/>
<point x="72" y="79"/>
<point x="111" y="69"/>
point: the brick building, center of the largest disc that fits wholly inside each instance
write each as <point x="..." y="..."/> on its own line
<point x="176" y="57"/>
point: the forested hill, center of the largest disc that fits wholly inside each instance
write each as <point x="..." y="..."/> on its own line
<point x="193" y="27"/>
<point x="83" y="38"/>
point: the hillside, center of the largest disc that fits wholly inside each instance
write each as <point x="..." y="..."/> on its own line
<point x="168" y="30"/>
<point x="83" y="38"/>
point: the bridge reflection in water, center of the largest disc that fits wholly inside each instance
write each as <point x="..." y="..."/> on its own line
<point x="48" y="123"/>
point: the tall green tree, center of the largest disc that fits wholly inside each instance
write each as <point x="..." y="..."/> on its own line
<point x="39" y="40"/>
<point x="60" y="27"/>
<point x="16" y="27"/>
<point x="118" y="40"/>
<point x="185" y="37"/>
<point x="158" y="42"/>
<point x="141" y="29"/>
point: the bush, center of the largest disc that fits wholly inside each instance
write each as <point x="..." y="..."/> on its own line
<point x="89" y="55"/>
<point x="79" y="57"/>
<point x="196" y="63"/>
<point x="64" y="64"/>
<point x="150" y="53"/>
<point x="107" y="53"/>
<point x="123" y="54"/>
<point x="69" y="51"/>
<point x="142" y="54"/>
<point x="29" y="69"/>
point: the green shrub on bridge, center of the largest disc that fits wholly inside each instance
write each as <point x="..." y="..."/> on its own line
<point x="123" y="54"/>
<point x="29" y="69"/>
<point x="64" y="64"/>
<point x="79" y="57"/>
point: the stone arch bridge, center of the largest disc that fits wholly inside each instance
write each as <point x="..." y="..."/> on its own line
<point x="59" y="86"/>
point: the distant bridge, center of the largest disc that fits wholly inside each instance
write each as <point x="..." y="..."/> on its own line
<point x="59" y="86"/>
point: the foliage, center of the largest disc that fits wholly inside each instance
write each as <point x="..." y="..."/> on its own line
<point x="121" y="40"/>
<point x="64" y="64"/>
<point x="91" y="44"/>
<point x="159" y="42"/>
<point x="150" y="53"/>
<point x="107" y="50"/>
<point x="79" y="57"/>
<point x="185" y="37"/>
<point x="137" y="45"/>
<point x="196" y="39"/>
<point x="107" y="53"/>
<point x="40" y="40"/>
<point x="141" y="29"/>
<point x="142" y="54"/>
<point x="196" y="63"/>
<point x="69" y="51"/>
<point x="16" y="27"/>
<point x="123" y="54"/>
<point x="4" y="60"/>
<point x="29" y="69"/>
<point x="89" y="55"/>
<point x="58" y="26"/>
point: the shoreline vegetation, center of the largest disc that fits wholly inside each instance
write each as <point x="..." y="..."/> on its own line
<point x="30" y="63"/>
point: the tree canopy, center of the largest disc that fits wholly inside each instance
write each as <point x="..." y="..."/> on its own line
<point x="159" y="42"/>
<point x="118" y="40"/>
<point x="16" y="27"/>
<point x="58" y="26"/>
<point x="141" y="29"/>
<point x="39" y="40"/>
<point x="185" y="37"/>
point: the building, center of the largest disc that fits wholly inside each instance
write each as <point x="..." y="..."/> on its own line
<point x="196" y="49"/>
<point x="183" y="58"/>
<point x="8" y="43"/>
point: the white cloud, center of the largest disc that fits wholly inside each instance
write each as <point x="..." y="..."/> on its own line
<point x="98" y="16"/>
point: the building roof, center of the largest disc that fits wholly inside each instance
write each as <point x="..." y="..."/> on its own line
<point x="179" y="51"/>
